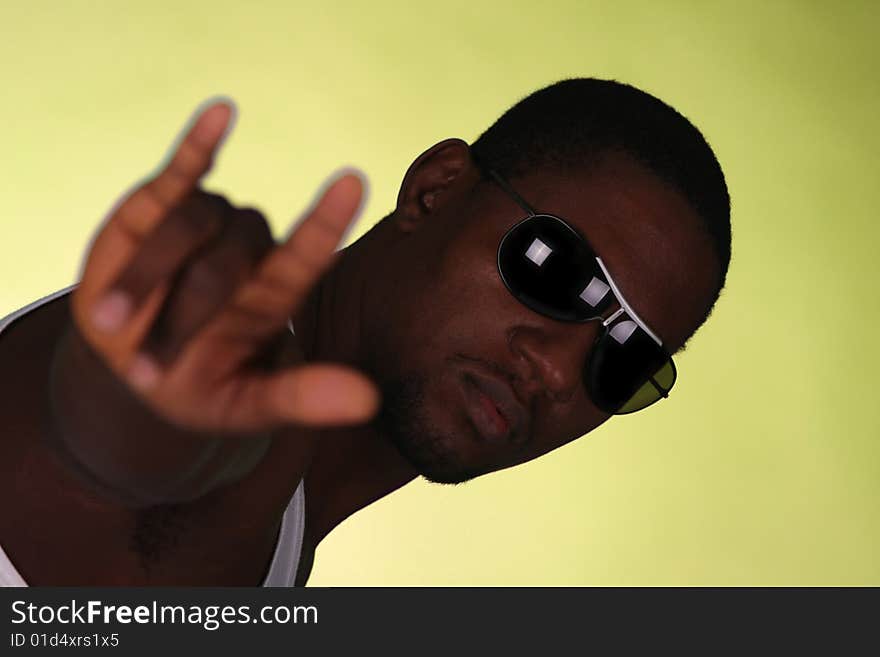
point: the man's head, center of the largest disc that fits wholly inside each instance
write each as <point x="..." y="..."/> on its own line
<point x="629" y="173"/>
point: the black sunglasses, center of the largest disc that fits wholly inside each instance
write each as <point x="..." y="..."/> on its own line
<point x="551" y="268"/>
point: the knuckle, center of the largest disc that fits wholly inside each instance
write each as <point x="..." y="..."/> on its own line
<point x="134" y="281"/>
<point x="252" y="215"/>
<point x="217" y="200"/>
<point x="303" y="270"/>
<point x="193" y="220"/>
<point x="188" y="159"/>
<point x="256" y="228"/>
<point x="314" y="250"/>
<point x="207" y="279"/>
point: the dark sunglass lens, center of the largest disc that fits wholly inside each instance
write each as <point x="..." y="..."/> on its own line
<point x="620" y="372"/>
<point x="550" y="268"/>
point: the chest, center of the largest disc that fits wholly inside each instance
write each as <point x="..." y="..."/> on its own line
<point x="58" y="531"/>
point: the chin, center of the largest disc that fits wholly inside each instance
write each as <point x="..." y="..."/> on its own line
<point x="436" y="466"/>
<point x="436" y="454"/>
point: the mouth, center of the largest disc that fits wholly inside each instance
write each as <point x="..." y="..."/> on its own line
<point x="492" y="407"/>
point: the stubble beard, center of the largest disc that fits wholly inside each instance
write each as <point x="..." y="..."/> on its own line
<point x="404" y="421"/>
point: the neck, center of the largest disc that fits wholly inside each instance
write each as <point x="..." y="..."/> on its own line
<point x="352" y="466"/>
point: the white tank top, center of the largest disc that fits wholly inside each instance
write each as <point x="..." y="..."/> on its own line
<point x="285" y="561"/>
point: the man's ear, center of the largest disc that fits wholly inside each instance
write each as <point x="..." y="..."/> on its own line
<point x="430" y="178"/>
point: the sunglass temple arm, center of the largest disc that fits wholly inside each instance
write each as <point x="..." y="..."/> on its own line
<point x="660" y="389"/>
<point x="516" y="197"/>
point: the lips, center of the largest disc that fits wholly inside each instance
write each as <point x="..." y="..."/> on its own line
<point x="492" y="407"/>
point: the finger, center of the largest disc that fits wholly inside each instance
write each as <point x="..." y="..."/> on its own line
<point x="313" y="395"/>
<point x="194" y="155"/>
<point x="185" y="230"/>
<point x="208" y="283"/>
<point x="281" y="282"/>
<point x="189" y="161"/>
<point x="306" y="254"/>
<point x="138" y="213"/>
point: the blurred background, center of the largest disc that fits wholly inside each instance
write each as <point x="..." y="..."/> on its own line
<point x="762" y="468"/>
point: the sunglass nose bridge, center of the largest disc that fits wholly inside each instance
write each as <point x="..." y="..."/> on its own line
<point x="617" y="313"/>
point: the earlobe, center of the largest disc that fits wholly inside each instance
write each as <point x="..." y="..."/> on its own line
<point x="429" y="179"/>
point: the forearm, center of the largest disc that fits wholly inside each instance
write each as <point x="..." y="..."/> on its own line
<point x="106" y="433"/>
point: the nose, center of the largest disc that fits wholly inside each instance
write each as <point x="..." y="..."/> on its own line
<point x="550" y="360"/>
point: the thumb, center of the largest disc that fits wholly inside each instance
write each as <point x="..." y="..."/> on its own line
<point x="321" y="395"/>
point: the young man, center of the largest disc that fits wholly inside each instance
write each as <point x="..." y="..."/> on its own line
<point x="206" y="406"/>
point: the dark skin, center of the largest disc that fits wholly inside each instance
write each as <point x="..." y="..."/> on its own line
<point x="409" y="313"/>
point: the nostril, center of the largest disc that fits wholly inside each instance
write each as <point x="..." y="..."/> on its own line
<point x="549" y="362"/>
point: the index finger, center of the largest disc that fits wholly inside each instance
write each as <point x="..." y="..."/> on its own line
<point x="193" y="157"/>
<point x="138" y="213"/>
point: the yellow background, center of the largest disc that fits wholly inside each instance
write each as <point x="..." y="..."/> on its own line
<point x="762" y="468"/>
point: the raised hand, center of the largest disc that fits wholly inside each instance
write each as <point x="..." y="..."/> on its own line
<point x="184" y="295"/>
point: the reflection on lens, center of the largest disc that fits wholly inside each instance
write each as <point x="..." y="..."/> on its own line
<point x="550" y="268"/>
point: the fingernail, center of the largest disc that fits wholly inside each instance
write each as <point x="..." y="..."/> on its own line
<point x="111" y="312"/>
<point x="143" y="373"/>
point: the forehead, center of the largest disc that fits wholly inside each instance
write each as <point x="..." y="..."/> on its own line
<point x="646" y="233"/>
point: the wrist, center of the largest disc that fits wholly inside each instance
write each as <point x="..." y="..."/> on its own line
<point x="115" y="445"/>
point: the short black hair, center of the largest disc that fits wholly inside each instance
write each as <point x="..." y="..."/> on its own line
<point x="571" y="123"/>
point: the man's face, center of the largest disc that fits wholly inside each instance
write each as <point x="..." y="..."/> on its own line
<point x="474" y="381"/>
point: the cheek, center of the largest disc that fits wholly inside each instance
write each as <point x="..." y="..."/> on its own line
<point x="458" y="297"/>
